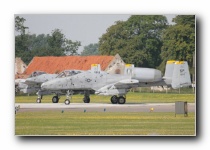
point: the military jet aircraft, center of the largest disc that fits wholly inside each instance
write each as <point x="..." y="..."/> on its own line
<point x="33" y="83"/>
<point x="55" y="99"/>
<point x="117" y="85"/>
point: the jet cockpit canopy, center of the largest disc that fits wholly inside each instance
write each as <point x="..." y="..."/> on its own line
<point x="67" y="73"/>
<point x="37" y="73"/>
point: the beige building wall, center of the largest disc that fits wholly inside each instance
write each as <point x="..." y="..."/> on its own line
<point x="20" y="66"/>
<point x="116" y="66"/>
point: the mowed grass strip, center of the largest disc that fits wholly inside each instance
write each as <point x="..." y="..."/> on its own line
<point x="103" y="123"/>
<point x="131" y="97"/>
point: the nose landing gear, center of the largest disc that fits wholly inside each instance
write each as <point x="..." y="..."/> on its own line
<point x="39" y="98"/>
<point x="68" y="97"/>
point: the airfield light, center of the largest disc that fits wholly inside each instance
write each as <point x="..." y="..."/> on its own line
<point x="151" y="109"/>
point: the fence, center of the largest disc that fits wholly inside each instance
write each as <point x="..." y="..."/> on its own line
<point x="160" y="89"/>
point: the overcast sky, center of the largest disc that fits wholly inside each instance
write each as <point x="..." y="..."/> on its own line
<point x="84" y="28"/>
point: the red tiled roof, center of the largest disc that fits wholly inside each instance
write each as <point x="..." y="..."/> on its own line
<point x="53" y="64"/>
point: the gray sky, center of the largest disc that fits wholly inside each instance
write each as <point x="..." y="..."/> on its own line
<point x="84" y="28"/>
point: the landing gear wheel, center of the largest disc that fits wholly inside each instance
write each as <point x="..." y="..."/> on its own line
<point x="38" y="100"/>
<point x="114" y="99"/>
<point x="55" y="99"/>
<point x="86" y="99"/>
<point x="121" y="100"/>
<point x="67" y="101"/>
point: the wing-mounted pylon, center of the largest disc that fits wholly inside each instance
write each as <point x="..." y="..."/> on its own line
<point x="119" y="88"/>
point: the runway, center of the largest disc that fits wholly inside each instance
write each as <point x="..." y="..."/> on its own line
<point x="101" y="107"/>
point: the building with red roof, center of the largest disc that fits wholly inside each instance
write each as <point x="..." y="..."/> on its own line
<point x="56" y="64"/>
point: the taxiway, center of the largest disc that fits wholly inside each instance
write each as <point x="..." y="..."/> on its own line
<point x="101" y="107"/>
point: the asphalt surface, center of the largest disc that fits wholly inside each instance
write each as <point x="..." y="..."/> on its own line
<point x="101" y="107"/>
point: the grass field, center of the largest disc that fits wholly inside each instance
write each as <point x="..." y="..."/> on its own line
<point x="103" y="123"/>
<point x="131" y="97"/>
<point x="106" y="123"/>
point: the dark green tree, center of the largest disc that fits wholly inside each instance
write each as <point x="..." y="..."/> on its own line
<point x="137" y="40"/>
<point x="59" y="45"/>
<point x="185" y="20"/>
<point x="55" y="42"/>
<point x="179" y="40"/>
<point x="91" y="49"/>
<point x="70" y="47"/>
<point x="19" y="25"/>
<point x="27" y="46"/>
<point x="23" y="46"/>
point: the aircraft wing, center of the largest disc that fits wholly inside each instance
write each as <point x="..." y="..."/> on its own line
<point x="31" y="82"/>
<point x="40" y="79"/>
<point x="119" y="87"/>
<point x="127" y="83"/>
<point x="22" y="83"/>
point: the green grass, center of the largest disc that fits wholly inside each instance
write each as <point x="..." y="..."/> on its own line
<point x="103" y="123"/>
<point x="131" y="97"/>
<point x="106" y="123"/>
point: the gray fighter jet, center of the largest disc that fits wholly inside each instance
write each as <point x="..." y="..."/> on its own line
<point x="55" y="99"/>
<point x="33" y="83"/>
<point x="117" y="85"/>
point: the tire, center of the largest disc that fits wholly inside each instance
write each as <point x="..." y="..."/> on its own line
<point x="86" y="99"/>
<point x="38" y="100"/>
<point x="114" y="99"/>
<point x="67" y="101"/>
<point x="121" y="100"/>
<point x="55" y="99"/>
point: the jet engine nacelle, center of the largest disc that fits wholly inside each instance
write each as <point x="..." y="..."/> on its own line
<point x="146" y="74"/>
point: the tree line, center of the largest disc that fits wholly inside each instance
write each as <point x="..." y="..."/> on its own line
<point x="29" y="45"/>
<point x="143" y="40"/>
<point x="149" y="41"/>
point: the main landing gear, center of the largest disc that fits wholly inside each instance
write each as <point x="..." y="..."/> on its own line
<point x="118" y="100"/>
<point x="86" y="98"/>
<point x="55" y="99"/>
